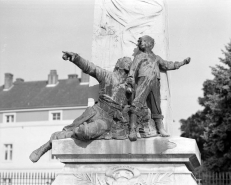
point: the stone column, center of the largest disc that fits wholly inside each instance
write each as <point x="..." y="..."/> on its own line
<point x="117" y="26"/>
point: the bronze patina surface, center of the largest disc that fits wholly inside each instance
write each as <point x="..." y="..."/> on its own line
<point x="129" y="99"/>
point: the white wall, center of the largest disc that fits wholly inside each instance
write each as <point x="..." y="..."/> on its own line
<point x="25" y="138"/>
<point x="30" y="115"/>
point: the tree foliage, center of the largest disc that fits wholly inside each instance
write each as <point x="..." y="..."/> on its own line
<point x="193" y="127"/>
<point x="211" y="127"/>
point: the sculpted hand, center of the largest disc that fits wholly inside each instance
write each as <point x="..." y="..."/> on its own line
<point x="69" y="56"/>
<point x="130" y="81"/>
<point x="187" y="60"/>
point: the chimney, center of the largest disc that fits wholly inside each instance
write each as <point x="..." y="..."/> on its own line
<point x="84" y="78"/>
<point x="72" y="76"/>
<point x="52" y="78"/>
<point x="8" y="81"/>
<point x="19" y="80"/>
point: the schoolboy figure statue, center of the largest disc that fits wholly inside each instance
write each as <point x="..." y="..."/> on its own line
<point x="144" y="78"/>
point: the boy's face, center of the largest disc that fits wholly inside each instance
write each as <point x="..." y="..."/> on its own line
<point x="144" y="43"/>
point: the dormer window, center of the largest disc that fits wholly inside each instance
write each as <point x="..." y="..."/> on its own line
<point x="55" y="115"/>
<point x="9" y="118"/>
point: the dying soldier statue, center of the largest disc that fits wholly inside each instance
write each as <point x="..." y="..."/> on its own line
<point x="109" y="112"/>
<point x="144" y="80"/>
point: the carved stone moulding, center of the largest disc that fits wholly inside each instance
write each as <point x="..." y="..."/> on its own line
<point x="125" y="174"/>
<point x="157" y="150"/>
<point x="152" y="161"/>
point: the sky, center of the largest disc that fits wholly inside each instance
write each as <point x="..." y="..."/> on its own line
<point x="34" y="32"/>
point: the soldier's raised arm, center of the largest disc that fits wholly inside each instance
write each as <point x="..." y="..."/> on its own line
<point x="87" y="67"/>
<point x="169" y="65"/>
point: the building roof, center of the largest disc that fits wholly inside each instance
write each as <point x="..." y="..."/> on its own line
<point x="36" y="94"/>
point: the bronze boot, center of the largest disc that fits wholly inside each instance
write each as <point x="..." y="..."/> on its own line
<point x="35" y="155"/>
<point x="160" y="128"/>
<point x="148" y="129"/>
<point x="133" y="135"/>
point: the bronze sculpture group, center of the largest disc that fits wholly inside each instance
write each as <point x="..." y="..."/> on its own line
<point x="129" y="99"/>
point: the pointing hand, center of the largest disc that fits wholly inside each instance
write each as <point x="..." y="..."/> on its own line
<point x="68" y="55"/>
<point x="187" y="60"/>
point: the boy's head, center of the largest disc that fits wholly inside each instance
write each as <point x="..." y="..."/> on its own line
<point x="145" y="43"/>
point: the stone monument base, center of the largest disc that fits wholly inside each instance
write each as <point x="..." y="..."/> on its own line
<point x="153" y="161"/>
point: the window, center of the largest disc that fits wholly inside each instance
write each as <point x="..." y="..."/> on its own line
<point x="55" y="115"/>
<point x="9" y="118"/>
<point x="8" y="155"/>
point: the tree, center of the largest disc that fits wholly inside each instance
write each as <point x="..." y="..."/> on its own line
<point x="215" y="118"/>
<point x="193" y="127"/>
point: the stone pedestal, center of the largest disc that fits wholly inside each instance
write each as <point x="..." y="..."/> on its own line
<point x="153" y="161"/>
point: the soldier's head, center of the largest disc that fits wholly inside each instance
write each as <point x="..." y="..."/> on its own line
<point x="145" y="43"/>
<point x="123" y="65"/>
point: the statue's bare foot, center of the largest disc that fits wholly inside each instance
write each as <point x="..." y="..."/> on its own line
<point x="132" y="135"/>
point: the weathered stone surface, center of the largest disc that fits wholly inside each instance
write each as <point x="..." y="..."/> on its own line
<point x="125" y="174"/>
<point x="151" y="150"/>
<point x="152" y="161"/>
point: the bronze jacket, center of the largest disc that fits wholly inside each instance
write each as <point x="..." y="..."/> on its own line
<point x="111" y="89"/>
<point x="144" y="65"/>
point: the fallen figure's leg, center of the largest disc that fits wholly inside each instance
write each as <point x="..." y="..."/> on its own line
<point x="38" y="153"/>
<point x="66" y="133"/>
<point x="84" y="132"/>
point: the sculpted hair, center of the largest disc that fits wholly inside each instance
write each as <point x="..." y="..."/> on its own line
<point x="151" y="41"/>
<point x="124" y="63"/>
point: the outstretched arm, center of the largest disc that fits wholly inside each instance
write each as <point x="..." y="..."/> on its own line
<point x="169" y="65"/>
<point x="87" y="67"/>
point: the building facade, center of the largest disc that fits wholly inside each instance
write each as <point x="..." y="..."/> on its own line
<point x="31" y="111"/>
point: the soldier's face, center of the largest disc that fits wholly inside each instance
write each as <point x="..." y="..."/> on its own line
<point x="121" y="72"/>
<point x="119" y="69"/>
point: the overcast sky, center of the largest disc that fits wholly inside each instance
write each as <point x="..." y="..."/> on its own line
<point x="34" y="32"/>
